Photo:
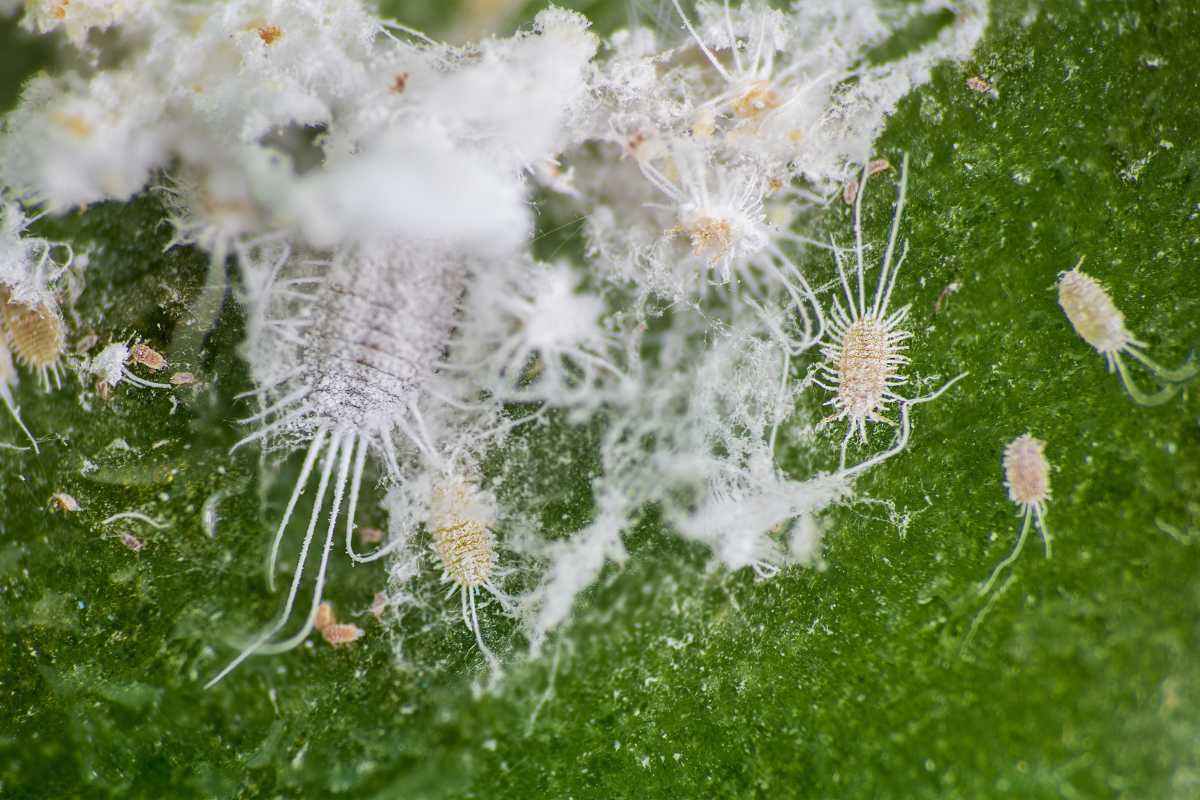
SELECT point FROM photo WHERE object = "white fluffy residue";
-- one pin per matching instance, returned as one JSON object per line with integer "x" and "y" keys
{"x": 375, "y": 188}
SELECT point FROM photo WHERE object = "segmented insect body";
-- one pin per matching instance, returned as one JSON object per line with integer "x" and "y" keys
{"x": 37, "y": 337}
{"x": 1027, "y": 476}
{"x": 343, "y": 368}
{"x": 33, "y": 324}
{"x": 862, "y": 362}
{"x": 461, "y": 517}
{"x": 335, "y": 633}
{"x": 1102, "y": 325}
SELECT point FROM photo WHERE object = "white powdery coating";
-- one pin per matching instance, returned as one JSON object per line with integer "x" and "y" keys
{"x": 240, "y": 69}
{"x": 25, "y": 261}
{"x": 77, "y": 17}
{"x": 575, "y": 565}
{"x": 72, "y": 142}
{"x": 538, "y": 335}
{"x": 109, "y": 363}
{"x": 1026, "y": 472}
{"x": 518, "y": 98}
{"x": 362, "y": 346}
{"x": 412, "y": 186}
{"x": 1092, "y": 313}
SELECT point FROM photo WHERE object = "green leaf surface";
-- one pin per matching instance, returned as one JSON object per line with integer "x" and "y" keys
{"x": 882, "y": 674}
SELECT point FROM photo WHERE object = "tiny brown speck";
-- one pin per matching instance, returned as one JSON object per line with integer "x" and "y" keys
{"x": 400, "y": 83}
{"x": 269, "y": 34}
{"x": 978, "y": 84}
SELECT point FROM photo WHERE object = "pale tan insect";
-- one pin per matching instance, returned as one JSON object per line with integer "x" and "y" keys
{"x": 132, "y": 542}
{"x": 339, "y": 634}
{"x": 334, "y": 632}
{"x": 1027, "y": 476}
{"x": 863, "y": 358}
{"x": 37, "y": 337}
{"x": 1102, "y": 325}
{"x": 850, "y": 192}
{"x": 977, "y": 83}
{"x": 182, "y": 379}
{"x": 143, "y": 354}
{"x": 460, "y": 520}
{"x": 370, "y": 535}
{"x": 61, "y": 501}
{"x": 324, "y": 617}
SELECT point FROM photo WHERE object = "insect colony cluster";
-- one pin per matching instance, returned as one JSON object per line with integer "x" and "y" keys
{"x": 396, "y": 315}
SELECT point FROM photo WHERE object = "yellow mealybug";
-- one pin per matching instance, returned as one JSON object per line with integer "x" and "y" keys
{"x": 460, "y": 520}
{"x": 37, "y": 337}
{"x": 1027, "y": 476}
{"x": 1102, "y": 325}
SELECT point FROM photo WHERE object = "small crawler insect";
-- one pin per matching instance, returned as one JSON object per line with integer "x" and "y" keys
{"x": 182, "y": 379}
{"x": 37, "y": 337}
{"x": 460, "y": 519}
{"x": 132, "y": 542}
{"x": 141, "y": 353}
{"x": 862, "y": 363}
{"x": 109, "y": 367}
{"x": 370, "y": 535}
{"x": 977, "y": 83}
{"x": 1027, "y": 476}
{"x": 61, "y": 501}
{"x": 335, "y": 633}
{"x": 1102, "y": 325}
{"x": 873, "y": 168}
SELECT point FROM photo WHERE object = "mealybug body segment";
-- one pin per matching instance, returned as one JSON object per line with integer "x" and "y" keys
{"x": 1027, "y": 477}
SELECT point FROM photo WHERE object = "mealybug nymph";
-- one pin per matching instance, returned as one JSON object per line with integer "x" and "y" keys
{"x": 1027, "y": 476}
{"x": 1102, "y": 325}
{"x": 460, "y": 521}
{"x": 862, "y": 362}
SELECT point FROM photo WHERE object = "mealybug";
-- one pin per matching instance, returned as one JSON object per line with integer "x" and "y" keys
{"x": 460, "y": 521}
{"x": 109, "y": 366}
{"x": 862, "y": 362}
{"x": 1102, "y": 325}
{"x": 343, "y": 367}
{"x": 1027, "y": 476}
{"x": 37, "y": 337}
